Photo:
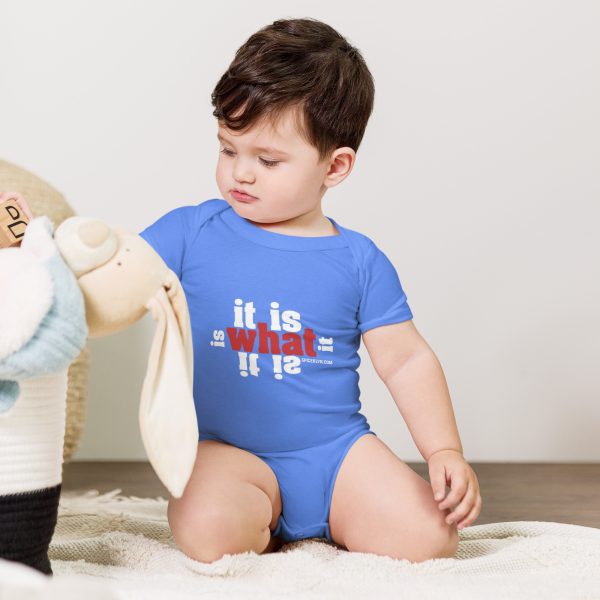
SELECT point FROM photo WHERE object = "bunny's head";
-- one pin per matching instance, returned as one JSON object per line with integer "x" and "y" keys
{"x": 121, "y": 278}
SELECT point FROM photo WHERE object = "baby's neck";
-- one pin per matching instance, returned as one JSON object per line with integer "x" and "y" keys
{"x": 323, "y": 229}
{"x": 307, "y": 225}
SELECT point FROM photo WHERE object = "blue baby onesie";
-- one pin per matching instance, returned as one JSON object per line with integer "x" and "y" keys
{"x": 276, "y": 325}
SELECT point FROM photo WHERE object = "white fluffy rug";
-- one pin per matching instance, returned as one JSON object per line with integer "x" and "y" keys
{"x": 110, "y": 546}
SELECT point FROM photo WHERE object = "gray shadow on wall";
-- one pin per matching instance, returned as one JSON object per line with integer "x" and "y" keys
{"x": 117, "y": 370}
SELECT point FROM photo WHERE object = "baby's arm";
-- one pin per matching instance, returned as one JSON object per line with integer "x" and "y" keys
{"x": 413, "y": 374}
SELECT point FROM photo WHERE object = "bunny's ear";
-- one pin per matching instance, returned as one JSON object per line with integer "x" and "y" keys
{"x": 180, "y": 308}
{"x": 167, "y": 413}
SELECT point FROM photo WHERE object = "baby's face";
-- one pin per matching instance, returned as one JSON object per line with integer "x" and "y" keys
{"x": 276, "y": 166}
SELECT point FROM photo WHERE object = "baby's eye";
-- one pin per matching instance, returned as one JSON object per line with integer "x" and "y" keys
{"x": 269, "y": 163}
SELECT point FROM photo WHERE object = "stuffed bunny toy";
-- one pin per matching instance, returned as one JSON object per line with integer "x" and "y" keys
{"x": 58, "y": 288}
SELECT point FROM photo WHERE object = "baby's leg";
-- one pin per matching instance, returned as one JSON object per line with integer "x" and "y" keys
{"x": 230, "y": 505}
{"x": 381, "y": 506}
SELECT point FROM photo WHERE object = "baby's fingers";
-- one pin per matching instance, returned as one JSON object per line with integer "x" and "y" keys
{"x": 472, "y": 516}
{"x": 437, "y": 476}
{"x": 458, "y": 488}
{"x": 466, "y": 504}
{"x": 463, "y": 507}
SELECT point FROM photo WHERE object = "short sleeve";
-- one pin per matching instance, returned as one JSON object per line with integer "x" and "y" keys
{"x": 167, "y": 236}
{"x": 383, "y": 300}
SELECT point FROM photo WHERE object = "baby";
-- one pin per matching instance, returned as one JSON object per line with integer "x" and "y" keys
{"x": 279, "y": 296}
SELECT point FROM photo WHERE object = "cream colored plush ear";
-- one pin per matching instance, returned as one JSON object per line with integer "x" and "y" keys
{"x": 167, "y": 415}
{"x": 179, "y": 304}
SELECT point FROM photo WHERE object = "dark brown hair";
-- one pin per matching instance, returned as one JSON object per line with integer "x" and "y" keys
{"x": 303, "y": 64}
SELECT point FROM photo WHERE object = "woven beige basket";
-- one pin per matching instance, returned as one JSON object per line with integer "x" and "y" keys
{"x": 43, "y": 199}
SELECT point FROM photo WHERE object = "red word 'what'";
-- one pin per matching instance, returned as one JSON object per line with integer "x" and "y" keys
{"x": 298, "y": 345}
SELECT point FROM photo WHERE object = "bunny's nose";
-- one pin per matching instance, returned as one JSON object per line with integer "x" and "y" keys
{"x": 85, "y": 243}
{"x": 94, "y": 233}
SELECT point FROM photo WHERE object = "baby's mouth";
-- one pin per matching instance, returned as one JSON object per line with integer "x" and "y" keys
{"x": 242, "y": 196}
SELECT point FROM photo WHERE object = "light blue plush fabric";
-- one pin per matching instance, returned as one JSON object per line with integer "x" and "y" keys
{"x": 60, "y": 337}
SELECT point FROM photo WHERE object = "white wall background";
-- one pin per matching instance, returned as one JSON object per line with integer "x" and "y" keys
{"x": 478, "y": 176}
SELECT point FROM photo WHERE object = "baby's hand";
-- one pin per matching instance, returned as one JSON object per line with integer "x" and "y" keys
{"x": 450, "y": 466}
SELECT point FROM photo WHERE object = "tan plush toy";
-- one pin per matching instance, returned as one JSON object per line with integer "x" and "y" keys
{"x": 122, "y": 277}
{"x": 86, "y": 279}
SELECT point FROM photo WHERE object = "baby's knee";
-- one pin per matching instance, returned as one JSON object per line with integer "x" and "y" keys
{"x": 433, "y": 538}
{"x": 445, "y": 542}
{"x": 432, "y": 541}
{"x": 440, "y": 539}
{"x": 209, "y": 531}
{"x": 198, "y": 532}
